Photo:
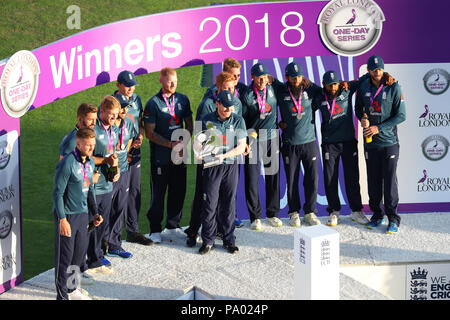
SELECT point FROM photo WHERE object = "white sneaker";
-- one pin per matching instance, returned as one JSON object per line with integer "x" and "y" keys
{"x": 275, "y": 222}
{"x": 86, "y": 279}
{"x": 79, "y": 294}
{"x": 294, "y": 220}
{"x": 359, "y": 217}
{"x": 101, "y": 269}
{"x": 311, "y": 219}
{"x": 333, "y": 219}
{"x": 156, "y": 237}
{"x": 256, "y": 225}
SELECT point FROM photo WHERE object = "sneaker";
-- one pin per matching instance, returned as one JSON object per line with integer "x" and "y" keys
{"x": 101, "y": 269}
{"x": 333, "y": 219}
{"x": 204, "y": 249}
{"x": 393, "y": 228}
{"x": 191, "y": 240}
{"x": 138, "y": 238}
{"x": 106, "y": 262}
{"x": 359, "y": 217}
{"x": 256, "y": 225}
{"x": 375, "y": 223}
{"x": 156, "y": 237}
{"x": 311, "y": 219}
{"x": 119, "y": 253}
{"x": 86, "y": 279}
{"x": 174, "y": 233}
{"x": 238, "y": 223}
{"x": 77, "y": 294}
{"x": 294, "y": 219}
{"x": 275, "y": 222}
{"x": 231, "y": 248}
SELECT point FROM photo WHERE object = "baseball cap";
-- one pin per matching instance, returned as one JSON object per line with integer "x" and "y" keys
{"x": 226, "y": 98}
{"x": 330, "y": 77}
{"x": 293, "y": 70}
{"x": 375, "y": 62}
{"x": 259, "y": 70}
{"x": 127, "y": 78}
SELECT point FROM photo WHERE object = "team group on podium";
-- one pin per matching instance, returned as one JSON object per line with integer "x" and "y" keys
{"x": 98, "y": 178}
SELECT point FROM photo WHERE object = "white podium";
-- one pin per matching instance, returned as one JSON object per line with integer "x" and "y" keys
{"x": 316, "y": 263}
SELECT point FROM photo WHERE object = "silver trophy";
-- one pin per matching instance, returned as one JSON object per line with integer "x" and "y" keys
{"x": 207, "y": 144}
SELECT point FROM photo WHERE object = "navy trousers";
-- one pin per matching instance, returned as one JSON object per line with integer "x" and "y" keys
{"x": 134, "y": 194}
{"x": 272, "y": 181}
{"x": 196, "y": 209}
{"x": 381, "y": 163}
{"x": 331, "y": 155}
{"x": 307, "y": 154}
{"x": 170, "y": 178}
{"x": 70, "y": 252}
{"x": 118, "y": 210}
{"x": 95, "y": 252}
{"x": 219, "y": 192}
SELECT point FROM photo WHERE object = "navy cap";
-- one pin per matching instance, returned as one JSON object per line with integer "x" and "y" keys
{"x": 330, "y": 77}
{"x": 259, "y": 70}
{"x": 375, "y": 62}
{"x": 293, "y": 70}
{"x": 226, "y": 98}
{"x": 127, "y": 78}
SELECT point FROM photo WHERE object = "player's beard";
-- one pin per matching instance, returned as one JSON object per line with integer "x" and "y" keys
{"x": 295, "y": 89}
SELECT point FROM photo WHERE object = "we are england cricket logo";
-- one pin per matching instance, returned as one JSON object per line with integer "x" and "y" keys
{"x": 418, "y": 284}
{"x": 350, "y": 27}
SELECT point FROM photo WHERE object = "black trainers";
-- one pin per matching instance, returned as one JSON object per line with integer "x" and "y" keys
{"x": 204, "y": 249}
{"x": 191, "y": 240}
{"x": 139, "y": 238}
{"x": 231, "y": 248}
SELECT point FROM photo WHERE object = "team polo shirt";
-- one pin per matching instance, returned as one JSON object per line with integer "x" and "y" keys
{"x": 157, "y": 112}
{"x": 298, "y": 131}
{"x": 71, "y": 190}
{"x": 134, "y": 107}
{"x": 126, "y": 132}
{"x": 103, "y": 150}
{"x": 226, "y": 133}
{"x": 208, "y": 104}
{"x": 69, "y": 142}
{"x": 252, "y": 113}
{"x": 387, "y": 110}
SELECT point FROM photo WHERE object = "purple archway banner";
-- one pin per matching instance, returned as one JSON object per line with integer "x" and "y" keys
{"x": 320, "y": 35}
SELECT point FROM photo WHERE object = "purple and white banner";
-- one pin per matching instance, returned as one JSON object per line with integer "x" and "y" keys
{"x": 320, "y": 35}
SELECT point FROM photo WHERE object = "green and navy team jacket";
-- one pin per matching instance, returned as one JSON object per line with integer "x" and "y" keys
{"x": 157, "y": 112}
{"x": 68, "y": 143}
{"x": 254, "y": 117}
{"x": 385, "y": 108}
{"x": 73, "y": 190}
{"x": 105, "y": 145}
{"x": 227, "y": 132}
{"x": 126, "y": 132}
{"x": 134, "y": 104}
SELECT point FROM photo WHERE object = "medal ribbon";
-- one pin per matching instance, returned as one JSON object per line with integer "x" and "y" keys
{"x": 330, "y": 109}
{"x": 372, "y": 98}
{"x": 110, "y": 138}
{"x": 170, "y": 107}
{"x": 261, "y": 101}
{"x": 86, "y": 165}
{"x": 122, "y": 134}
{"x": 298, "y": 104}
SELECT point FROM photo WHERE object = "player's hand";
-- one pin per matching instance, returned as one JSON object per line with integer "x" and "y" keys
{"x": 95, "y": 177}
{"x": 136, "y": 144}
{"x": 344, "y": 85}
{"x": 282, "y": 125}
{"x": 117, "y": 176}
{"x": 64, "y": 228}
{"x": 370, "y": 131}
{"x": 112, "y": 160}
{"x": 365, "y": 123}
{"x": 247, "y": 149}
{"x": 98, "y": 219}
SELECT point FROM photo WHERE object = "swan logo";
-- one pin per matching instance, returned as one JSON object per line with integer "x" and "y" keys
{"x": 19, "y": 83}
{"x": 6, "y": 222}
{"x": 436, "y": 81}
{"x": 5, "y": 153}
{"x": 435, "y": 147}
{"x": 350, "y": 28}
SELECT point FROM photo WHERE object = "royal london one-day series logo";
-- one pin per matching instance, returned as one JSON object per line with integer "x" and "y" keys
{"x": 350, "y": 27}
{"x": 436, "y": 81}
{"x": 19, "y": 83}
